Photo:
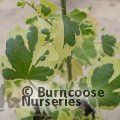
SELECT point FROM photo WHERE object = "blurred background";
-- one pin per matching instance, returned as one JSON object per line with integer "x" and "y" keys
{"x": 106, "y": 12}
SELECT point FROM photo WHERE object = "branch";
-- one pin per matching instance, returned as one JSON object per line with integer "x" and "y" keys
{"x": 32, "y": 6}
{"x": 33, "y": 85}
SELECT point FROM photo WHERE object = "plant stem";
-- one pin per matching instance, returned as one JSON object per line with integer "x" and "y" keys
{"x": 69, "y": 67}
{"x": 68, "y": 61}
{"x": 63, "y": 6}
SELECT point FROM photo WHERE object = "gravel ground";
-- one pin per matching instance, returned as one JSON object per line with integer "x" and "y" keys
{"x": 107, "y": 13}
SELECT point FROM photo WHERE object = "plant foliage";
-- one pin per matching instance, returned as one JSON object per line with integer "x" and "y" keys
{"x": 56, "y": 44}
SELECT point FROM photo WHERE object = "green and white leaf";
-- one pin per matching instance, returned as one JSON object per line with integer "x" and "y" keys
{"x": 20, "y": 58}
{"x": 63, "y": 114}
{"x": 46, "y": 8}
{"x": 85, "y": 53}
{"x": 25, "y": 113}
{"x": 71, "y": 29}
{"x": 108, "y": 43}
{"x": 100, "y": 81}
